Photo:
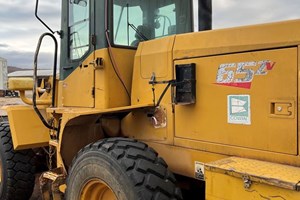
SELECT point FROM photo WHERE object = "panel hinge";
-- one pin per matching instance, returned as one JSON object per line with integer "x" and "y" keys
{"x": 93, "y": 39}
{"x": 93, "y": 92}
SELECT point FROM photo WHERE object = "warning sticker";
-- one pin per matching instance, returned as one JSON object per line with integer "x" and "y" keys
{"x": 199, "y": 170}
{"x": 239, "y": 109}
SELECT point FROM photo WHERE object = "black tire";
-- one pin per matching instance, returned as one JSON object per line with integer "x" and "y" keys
{"x": 131, "y": 169}
{"x": 18, "y": 168}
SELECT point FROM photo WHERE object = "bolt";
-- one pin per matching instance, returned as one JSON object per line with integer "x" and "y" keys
{"x": 279, "y": 108}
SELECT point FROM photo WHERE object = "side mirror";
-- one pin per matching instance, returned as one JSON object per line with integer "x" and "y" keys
{"x": 82, "y": 3}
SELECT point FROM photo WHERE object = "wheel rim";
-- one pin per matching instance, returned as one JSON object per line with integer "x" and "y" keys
{"x": 97, "y": 190}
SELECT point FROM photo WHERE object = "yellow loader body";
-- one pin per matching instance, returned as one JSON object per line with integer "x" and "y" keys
{"x": 241, "y": 132}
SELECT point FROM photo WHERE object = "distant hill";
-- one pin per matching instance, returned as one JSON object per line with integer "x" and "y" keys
{"x": 11, "y": 69}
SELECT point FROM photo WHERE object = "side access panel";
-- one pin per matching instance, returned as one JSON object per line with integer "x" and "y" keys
{"x": 78, "y": 87}
{"x": 244, "y": 100}
{"x": 27, "y": 130}
{"x": 238, "y": 178}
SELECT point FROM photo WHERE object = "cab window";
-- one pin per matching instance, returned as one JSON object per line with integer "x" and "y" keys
{"x": 135, "y": 21}
{"x": 79, "y": 28}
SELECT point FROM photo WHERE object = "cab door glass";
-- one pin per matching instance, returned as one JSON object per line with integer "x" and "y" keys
{"x": 79, "y": 28}
{"x": 126, "y": 19}
{"x": 165, "y": 21}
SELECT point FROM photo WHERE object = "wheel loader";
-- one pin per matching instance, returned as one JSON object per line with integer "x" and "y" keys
{"x": 149, "y": 103}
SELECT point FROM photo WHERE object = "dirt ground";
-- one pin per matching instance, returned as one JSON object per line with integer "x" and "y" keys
{"x": 10, "y": 101}
{"x": 36, "y": 195}
{"x": 6, "y": 101}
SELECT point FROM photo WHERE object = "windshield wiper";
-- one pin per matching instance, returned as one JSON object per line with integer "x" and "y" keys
{"x": 133, "y": 27}
{"x": 138, "y": 32}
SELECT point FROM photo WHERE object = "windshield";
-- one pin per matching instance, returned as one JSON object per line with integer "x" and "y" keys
{"x": 135, "y": 21}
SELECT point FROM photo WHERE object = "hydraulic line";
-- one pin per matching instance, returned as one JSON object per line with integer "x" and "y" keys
{"x": 111, "y": 56}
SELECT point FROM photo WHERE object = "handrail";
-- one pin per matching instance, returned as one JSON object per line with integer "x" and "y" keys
{"x": 35, "y": 77}
{"x": 30, "y": 102}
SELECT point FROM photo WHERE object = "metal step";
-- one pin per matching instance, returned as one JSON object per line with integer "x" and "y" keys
{"x": 50, "y": 183}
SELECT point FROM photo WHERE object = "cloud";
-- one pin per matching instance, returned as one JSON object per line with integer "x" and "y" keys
{"x": 3, "y": 45}
{"x": 24, "y": 59}
{"x": 230, "y": 13}
{"x": 21, "y": 13}
{"x": 18, "y": 22}
{"x": 20, "y": 31}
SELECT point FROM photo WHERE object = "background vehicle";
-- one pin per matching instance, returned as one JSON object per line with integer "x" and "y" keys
{"x": 218, "y": 107}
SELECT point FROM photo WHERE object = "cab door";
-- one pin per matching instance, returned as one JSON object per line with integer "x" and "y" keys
{"x": 77, "y": 69}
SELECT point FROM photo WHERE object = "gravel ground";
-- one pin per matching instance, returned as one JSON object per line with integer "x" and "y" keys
{"x": 36, "y": 193}
{"x": 6, "y": 101}
{"x": 10, "y": 101}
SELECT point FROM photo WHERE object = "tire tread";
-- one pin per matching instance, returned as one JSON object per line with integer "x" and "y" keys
{"x": 148, "y": 172}
{"x": 20, "y": 167}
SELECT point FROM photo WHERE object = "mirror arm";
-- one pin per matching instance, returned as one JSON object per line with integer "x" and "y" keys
{"x": 36, "y": 15}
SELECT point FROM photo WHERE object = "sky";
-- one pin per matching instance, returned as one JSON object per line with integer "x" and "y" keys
{"x": 20, "y": 30}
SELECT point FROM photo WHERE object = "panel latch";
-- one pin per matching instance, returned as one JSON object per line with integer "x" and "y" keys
{"x": 247, "y": 181}
{"x": 282, "y": 109}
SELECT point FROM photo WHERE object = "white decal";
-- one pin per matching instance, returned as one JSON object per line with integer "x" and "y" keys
{"x": 199, "y": 171}
{"x": 238, "y": 108}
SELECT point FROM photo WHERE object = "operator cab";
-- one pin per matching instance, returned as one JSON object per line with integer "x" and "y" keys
{"x": 97, "y": 24}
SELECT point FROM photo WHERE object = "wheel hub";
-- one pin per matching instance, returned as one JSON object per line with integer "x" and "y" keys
{"x": 97, "y": 190}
